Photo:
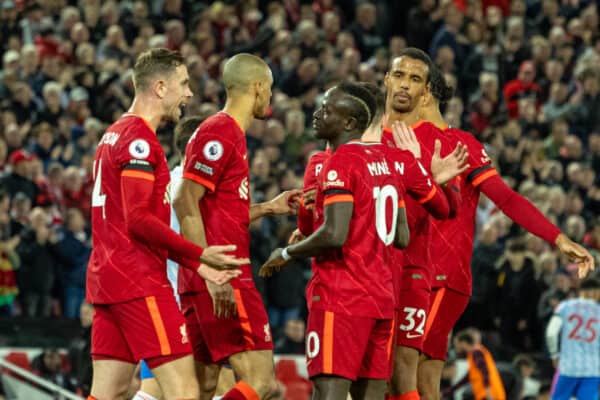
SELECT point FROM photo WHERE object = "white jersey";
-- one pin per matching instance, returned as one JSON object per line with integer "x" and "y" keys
{"x": 172, "y": 267}
{"x": 579, "y": 338}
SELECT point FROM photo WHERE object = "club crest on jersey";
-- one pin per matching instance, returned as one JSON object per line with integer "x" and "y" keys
{"x": 140, "y": 149}
{"x": 213, "y": 150}
{"x": 332, "y": 179}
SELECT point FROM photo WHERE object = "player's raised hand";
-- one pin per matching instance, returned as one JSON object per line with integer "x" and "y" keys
{"x": 286, "y": 202}
{"x": 215, "y": 276}
{"x": 296, "y": 236}
{"x": 217, "y": 257}
{"x": 273, "y": 264}
{"x": 577, "y": 254}
{"x": 223, "y": 300}
{"x": 454, "y": 164}
{"x": 405, "y": 138}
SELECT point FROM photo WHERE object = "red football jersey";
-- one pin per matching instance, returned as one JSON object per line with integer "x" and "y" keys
{"x": 452, "y": 240}
{"x": 356, "y": 279}
{"x": 121, "y": 267}
{"x": 310, "y": 219}
{"x": 216, "y": 157}
{"x": 417, "y": 255}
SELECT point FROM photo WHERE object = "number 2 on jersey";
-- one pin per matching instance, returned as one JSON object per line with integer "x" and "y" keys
{"x": 381, "y": 195}
{"x": 98, "y": 199}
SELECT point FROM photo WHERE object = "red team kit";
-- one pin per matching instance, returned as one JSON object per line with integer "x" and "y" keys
{"x": 363, "y": 297}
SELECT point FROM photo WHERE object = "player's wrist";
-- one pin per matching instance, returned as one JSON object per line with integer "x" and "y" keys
{"x": 285, "y": 254}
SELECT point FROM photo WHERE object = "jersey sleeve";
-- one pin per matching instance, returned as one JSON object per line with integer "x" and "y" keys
{"x": 138, "y": 154}
{"x": 338, "y": 181}
{"x": 207, "y": 155}
{"x": 480, "y": 165}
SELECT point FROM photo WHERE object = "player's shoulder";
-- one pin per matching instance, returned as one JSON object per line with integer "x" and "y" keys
{"x": 466, "y": 137}
{"x": 130, "y": 126}
{"x": 222, "y": 124}
{"x": 319, "y": 157}
{"x": 425, "y": 127}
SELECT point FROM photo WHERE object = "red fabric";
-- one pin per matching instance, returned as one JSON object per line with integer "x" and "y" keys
{"x": 241, "y": 391}
{"x": 131, "y": 216}
{"x": 216, "y": 158}
{"x": 515, "y": 89}
{"x": 412, "y": 395}
{"x": 519, "y": 209}
{"x": 356, "y": 279}
{"x": 307, "y": 217}
{"x": 452, "y": 240}
{"x": 418, "y": 253}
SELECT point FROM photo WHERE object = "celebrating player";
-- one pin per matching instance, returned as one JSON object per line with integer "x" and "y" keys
{"x": 228, "y": 323}
{"x": 452, "y": 242}
{"x": 136, "y": 316}
{"x": 406, "y": 83}
{"x": 350, "y": 296}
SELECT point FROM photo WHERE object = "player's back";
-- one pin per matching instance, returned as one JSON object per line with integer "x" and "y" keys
{"x": 356, "y": 279}
{"x": 418, "y": 255}
{"x": 121, "y": 267}
{"x": 580, "y": 338}
{"x": 216, "y": 158}
{"x": 452, "y": 239}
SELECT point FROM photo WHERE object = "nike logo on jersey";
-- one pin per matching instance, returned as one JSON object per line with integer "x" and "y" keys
{"x": 413, "y": 335}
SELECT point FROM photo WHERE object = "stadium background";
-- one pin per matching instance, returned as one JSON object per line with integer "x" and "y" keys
{"x": 526, "y": 73}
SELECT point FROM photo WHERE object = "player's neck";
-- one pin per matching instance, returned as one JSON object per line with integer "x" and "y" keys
{"x": 373, "y": 133}
{"x": 408, "y": 118}
{"x": 240, "y": 110}
{"x": 433, "y": 115}
{"x": 147, "y": 109}
{"x": 343, "y": 139}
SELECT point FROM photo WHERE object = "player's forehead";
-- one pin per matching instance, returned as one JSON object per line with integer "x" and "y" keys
{"x": 332, "y": 97}
{"x": 181, "y": 73}
{"x": 410, "y": 65}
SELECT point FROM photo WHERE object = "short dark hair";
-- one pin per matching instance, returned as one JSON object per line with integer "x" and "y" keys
{"x": 590, "y": 284}
{"x": 418, "y": 54}
{"x": 379, "y": 97}
{"x": 184, "y": 130}
{"x": 438, "y": 86}
{"x": 465, "y": 336}
{"x": 152, "y": 63}
{"x": 365, "y": 105}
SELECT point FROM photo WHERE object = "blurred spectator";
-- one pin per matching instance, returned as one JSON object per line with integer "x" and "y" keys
{"x": 49, "y": 365}
{"x": 557, "y": 292}
{"x": 39, "y": 264}
{"x": 526, "y": 367}
{"x": 20, "y": 179}
{"x": 522, "y": 88}
{"x": 293, "y": 340}
{"x": 74, "y": 251}
{"x": 515, "y": 296}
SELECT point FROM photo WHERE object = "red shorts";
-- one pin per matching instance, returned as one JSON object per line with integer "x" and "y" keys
{"x": 142, "y": 328}
{"x": 349, "y": 347}
{"x": 214, "y": 339}
{"x": 413, "y": 306}
{"x": 446, "y": 308}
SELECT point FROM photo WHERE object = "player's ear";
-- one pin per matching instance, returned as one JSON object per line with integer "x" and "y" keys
{"x": 159, "y": 87}
{"x": 386, "y": 79}
{"x": 350, "y": 124}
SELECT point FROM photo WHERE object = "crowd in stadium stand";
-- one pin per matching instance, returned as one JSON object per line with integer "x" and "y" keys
{"x": 527, "y": 80}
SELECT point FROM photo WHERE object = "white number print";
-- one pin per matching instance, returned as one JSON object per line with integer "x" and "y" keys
{"x": 381, "y": 195}
{"x": 98, "y": 199}
{"x": 313, "y": 346}
{"x": 411, "y": 313}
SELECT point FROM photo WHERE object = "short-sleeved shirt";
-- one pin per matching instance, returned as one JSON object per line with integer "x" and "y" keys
{"x": 216, "y": 157}
{"x": 356, "y": 279}
{"x": 452, "y": 239}
{"x": 121, "y": 267}
{"x": 579, "y": 338}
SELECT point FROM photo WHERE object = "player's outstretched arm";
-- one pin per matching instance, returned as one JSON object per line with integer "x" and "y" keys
{"x": 332, "y": 233}
{"x": 521, "y": 211}
{"x": 285, "y": 203}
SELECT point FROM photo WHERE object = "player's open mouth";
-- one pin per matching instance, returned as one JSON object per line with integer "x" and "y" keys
{"x": 402, "y": 96}
{"x": 182, "y": 108}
